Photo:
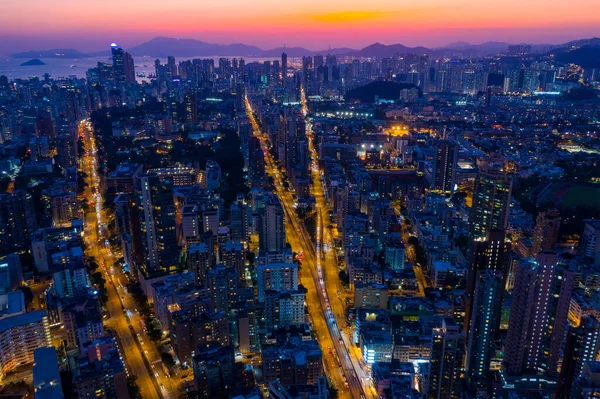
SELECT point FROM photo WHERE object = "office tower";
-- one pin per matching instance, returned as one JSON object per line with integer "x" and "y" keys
{"x": 589, "y": 244}
{"x": 118, "y": 57}
{"x": 491, "y": 201}
{"x": 284, "y": 66}
{"x": 545, "y": 236}
{"x": 46, "y": 376}
{"x": 191, "y": 109}
{"x": 213, "y": 367}
{"x": 581, "y": 346}
{"x": 538, "y": 315}
{"x": 17, "y": 221}
{"x": 283, "y": 309}
{"x": 271, "y": 232}
{"x": 276, "y": 276}
{"x": 490, "y": 254}
{"x": 158, "y": 223}
{"x": 484, "y": 321}
{"x": 446, "y": 358}
{"x": 446, "y": 156}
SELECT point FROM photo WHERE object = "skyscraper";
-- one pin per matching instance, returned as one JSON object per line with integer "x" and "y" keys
{"x": 589, "y": 244}
{"x": 538, "y": 315}
{"x": 118, "y": 56}
{"x": 283, "y": 66}
{"x": 191, "y": 109}
{"x": 484, "y": 322}
{"x": 581, "y": 346}
{"x": 158, "y": 223}
{"x": 17, "y": 220}
{"x": 446, "y": 156}
{"x": 545, "y": 235}
{"x": 239, "y": 220}
{"x": 489, "y": 254}
{"x": 129, "y": 67}
{"x": 171, "y": 66}
{"x": 446, "y": 358}
{"x": 491, "y": 201}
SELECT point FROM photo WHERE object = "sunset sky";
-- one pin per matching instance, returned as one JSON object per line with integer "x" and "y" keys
{"x": 89, "y": 25}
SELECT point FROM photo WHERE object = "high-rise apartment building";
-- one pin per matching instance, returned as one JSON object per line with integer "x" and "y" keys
{"x": 158, "y": 223}
{"x": 446, "y": 360}
{"x": 581, "y": 346}
{"x": 271, "y": 233}
{"x": 20, "y": 335}
{"x": 545, "y": 236}
{"x": 484, "y": 322}
{"x": 283, "y": 309}
{"x": 589, "y": 244}
{"x": 491, "y": 201}
{"x": 538, "y": 315}
{"x": 446, "y": 157}
{"x": 489, "y": 254}
{"x": 17, "y": 221}
{"x": 276, "y": 276}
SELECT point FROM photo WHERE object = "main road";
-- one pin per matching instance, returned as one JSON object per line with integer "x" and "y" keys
{"x": 344, "y": 377}
{"x": 328, "y": 262}
{"x": 120, "y": 307}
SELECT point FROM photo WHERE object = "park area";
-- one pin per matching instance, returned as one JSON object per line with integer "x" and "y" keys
{"x": 572, "y": 194}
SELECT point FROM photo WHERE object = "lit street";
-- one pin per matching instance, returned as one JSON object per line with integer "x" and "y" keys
{"x": 319, "y": 306}
{"x": 119, "y": 305}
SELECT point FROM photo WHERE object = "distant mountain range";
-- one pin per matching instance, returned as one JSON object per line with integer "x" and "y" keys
{"x": 165, "y": 46}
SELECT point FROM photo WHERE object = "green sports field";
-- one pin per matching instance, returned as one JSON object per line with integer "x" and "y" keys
{"x": 582, "y": 195}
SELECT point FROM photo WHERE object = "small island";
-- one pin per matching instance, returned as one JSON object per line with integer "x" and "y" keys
{"x": 33, "y": 62}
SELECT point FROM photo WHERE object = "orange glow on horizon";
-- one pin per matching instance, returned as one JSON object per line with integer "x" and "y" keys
{"x": 345, "y": 22}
